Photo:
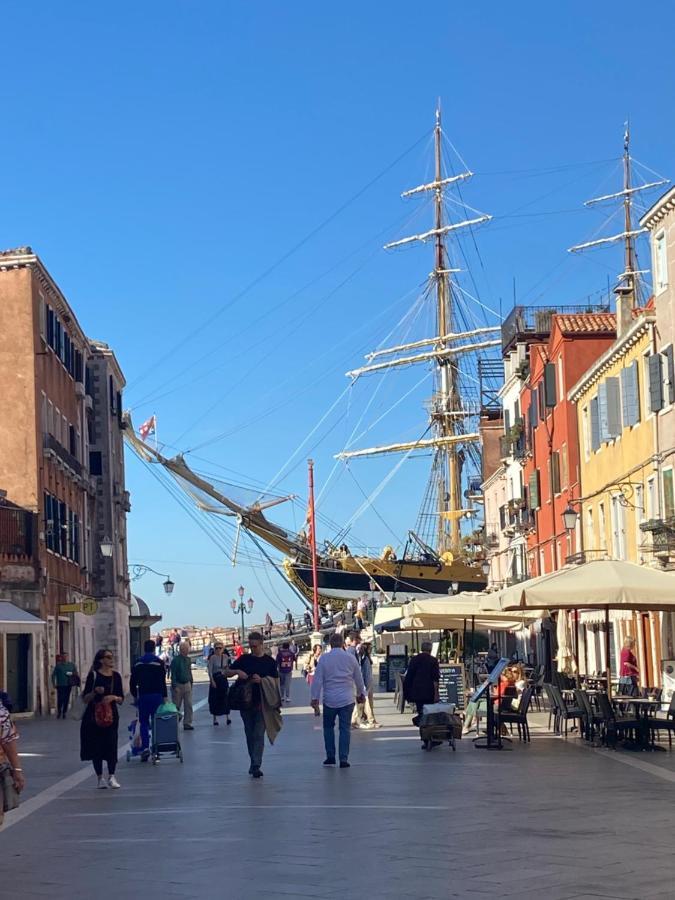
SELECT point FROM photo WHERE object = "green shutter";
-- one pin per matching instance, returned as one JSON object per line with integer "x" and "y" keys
{"x": 534, "y": 490}
{"x": 549, "y": 385}
{"x": 613, "y": 407}
{"x": 655, "y": 382}
{"x": 555, "y": 472}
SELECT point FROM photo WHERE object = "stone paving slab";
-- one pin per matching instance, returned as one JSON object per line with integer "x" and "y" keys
{"x": 551, "y": 819}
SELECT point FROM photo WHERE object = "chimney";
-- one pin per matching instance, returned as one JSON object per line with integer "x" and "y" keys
{"x": 624, "y": 308}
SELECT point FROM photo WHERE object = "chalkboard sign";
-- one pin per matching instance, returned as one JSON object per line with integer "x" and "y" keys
{"x": 396, "y": 665}
{"x": 384, "y": 675}
{"x": 451, "y": 685}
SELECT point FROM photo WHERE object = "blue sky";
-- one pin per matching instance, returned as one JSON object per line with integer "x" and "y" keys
{"x": 162, "y": 157}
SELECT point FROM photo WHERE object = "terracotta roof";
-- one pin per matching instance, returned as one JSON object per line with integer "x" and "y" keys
{"x": 587, "y": 323}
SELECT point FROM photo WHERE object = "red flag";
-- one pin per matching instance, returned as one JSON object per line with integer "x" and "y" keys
{"x": 148, "y": 428}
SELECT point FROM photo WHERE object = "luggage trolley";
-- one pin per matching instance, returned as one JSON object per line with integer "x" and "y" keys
{"x": 438, "y": 723}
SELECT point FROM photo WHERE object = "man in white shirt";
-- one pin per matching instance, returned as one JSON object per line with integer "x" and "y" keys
{"x": 338, "y": 677}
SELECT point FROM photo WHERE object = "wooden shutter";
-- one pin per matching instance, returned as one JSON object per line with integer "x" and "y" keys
{"x": 655, "y": 382}
{"x": 595, "y": 424}
{"x": 602, "y": 412}
{"x": 613, "y": 407}
{"x": 549, "y": 385}
{"x": 631, "y": 394}
{"x": 670, "y": 372}
{"x": 507, "y": 421}
{"x": 625, "y": 391}
{"x": 533, "y": 483}
{"x": 555, "y": 472}
{"x": 534, "y": 407}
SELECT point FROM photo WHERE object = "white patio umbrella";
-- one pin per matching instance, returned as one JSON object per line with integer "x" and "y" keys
{"x": 565, "y": 656}
{"x": 599, "y": 584}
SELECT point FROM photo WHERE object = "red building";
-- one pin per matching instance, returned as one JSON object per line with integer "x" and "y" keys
{"x": 549, "y": 423}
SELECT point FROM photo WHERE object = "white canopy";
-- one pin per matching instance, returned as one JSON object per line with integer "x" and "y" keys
{"x": 599, "y": 584}
{"x": 453, "y": 612}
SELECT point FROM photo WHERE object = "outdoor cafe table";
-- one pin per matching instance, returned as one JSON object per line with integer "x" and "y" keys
{"x": 642, "y": 706}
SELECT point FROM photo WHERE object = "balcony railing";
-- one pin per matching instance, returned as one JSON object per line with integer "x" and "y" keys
{"x": 51, "y": 445}
{"x": 17, "y": 533}
{"x": 525, "y": 323}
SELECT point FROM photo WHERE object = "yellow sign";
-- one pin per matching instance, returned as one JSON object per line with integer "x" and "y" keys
{"x": 88, "y": 606}
{"x": 70, "y": 608}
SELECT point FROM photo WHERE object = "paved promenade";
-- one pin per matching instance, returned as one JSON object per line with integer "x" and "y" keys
{"x": 552, "y": 819}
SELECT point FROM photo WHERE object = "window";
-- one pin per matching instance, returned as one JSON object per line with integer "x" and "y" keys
{"x": 590, "y": 535}
{"x": 618, "y": 527}
{"x": 652, "y": 499}
{"x": 534, "y": 490}
{"x": 639, "y": 512}
{"x": 669, "y": 374}
{"x": 43, "y": 317}
{"x": 95, "y": 462}
{"x": 564, "y": 474}
{"x": 660, "y": 262}
{"x": 668, "y": 498}
{"x": 561, "y": 379}
{"x": 62, "y": 528}
{"x": 586, "y": 429}
{"x": 602, "y": 527}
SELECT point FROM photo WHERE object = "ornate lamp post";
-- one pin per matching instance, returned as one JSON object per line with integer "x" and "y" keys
{"x": 242, "y": 608}
{"x": 139, "y": 571}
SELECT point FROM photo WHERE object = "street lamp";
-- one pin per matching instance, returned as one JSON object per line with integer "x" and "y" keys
{"x": 242, "y": 608}
{"x": 139, "y": 571}
{"x": 570, "y": 517}
{"x": 485, "y": 566}
{"x": 106, "y": 547}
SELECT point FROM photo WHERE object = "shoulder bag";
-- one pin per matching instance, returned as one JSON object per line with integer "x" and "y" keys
{"x": 240, "y": 695}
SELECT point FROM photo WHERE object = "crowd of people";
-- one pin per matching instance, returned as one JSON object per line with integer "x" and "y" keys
{"x": 339, "y": 674}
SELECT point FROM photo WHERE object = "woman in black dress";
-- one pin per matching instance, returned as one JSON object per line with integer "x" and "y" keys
{"x": 103, "y": 692}
{"x": 219, "y": 662}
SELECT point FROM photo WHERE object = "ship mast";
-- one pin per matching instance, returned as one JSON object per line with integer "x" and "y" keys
{"x": 448, "y": 471}
{"x": 447, "y": 410}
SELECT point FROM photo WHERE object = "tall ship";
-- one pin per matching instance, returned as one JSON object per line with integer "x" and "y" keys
{"x": 440, "y": 556}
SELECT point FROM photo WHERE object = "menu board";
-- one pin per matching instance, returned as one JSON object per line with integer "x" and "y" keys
{"x": 451, "y": 687}
{"x": 384, "y": 674}
{"x": 396, "y": 666}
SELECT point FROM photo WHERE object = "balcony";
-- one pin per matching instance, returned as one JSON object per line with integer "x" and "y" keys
{"x": 17, "y": 534}
{"x": 515, "y": 518}
{"x": 51, "y": 447}
{"x": 527, "y": 324}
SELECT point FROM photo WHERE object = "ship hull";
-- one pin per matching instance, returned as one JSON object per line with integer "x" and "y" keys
{"x": 397, "y": 580}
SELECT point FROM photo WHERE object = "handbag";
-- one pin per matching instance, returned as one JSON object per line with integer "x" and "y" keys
{"x": 240, "y": 695}
{"x": 10, "y": 795}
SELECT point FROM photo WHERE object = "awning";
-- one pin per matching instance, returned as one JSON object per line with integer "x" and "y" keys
{"x": 14, "y": 620}
{"x": 444, "y": 612}
{"x": 388, "y": 618}
{"x": 599, "y": 584}
{"x": 140, "y": 615}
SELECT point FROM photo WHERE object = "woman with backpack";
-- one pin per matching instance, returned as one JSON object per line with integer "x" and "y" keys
{"x": 103, "y": 693}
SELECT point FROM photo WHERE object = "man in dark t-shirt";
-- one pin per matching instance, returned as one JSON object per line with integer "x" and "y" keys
{"x": 255, "y": 665}
{"x": 422, "y": 677}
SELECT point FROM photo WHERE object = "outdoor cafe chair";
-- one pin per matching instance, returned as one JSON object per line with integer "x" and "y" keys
{"x": 519, "y": 716}
{"x": 592, "y": 717}
{"x": 616, "y": 726}
{"x": 659, "y": 723}
{"x": 552, "y": 708}
{"x": 565, "y": 712}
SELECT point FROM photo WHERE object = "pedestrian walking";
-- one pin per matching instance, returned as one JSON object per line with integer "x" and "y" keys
{"x": 422, "y": 677}
{"x": 218, "y": 664}
{"x": 337, "y": 678}
{"x": 181, "y": 684}
{"x": 329, "y": 611}
{"x": 263, "y": 715}
{"x": 268, "y": 625}
{"x": 103, "y": 693}
{"x": 365, "y": 710}
{"x": 64, "y": 678}
{"x": 288, "y": 618}
{"x": 147, "y": 686}
{"x": 295, "y": 650}
{"x": 10, "y": 766}
{"x": 285, "y": 667}
{"x": 308, "y": 619}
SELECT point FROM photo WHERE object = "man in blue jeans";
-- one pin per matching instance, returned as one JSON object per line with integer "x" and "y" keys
{"x": 148, "y": 687}
{"x": 338, "y": 677}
